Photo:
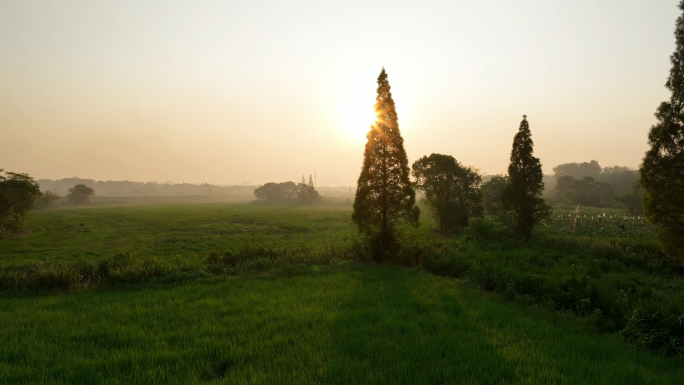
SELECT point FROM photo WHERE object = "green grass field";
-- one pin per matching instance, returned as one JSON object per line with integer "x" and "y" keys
{"x": 376, "y": 325}
{"x": 566, "y": 304}
{"x": 94, "y": 233}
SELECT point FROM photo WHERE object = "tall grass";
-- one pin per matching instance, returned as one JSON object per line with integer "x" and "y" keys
{"x": 375, "y": 325}
{"x": 627, "y": 287}
{"x": 128, "y": 268}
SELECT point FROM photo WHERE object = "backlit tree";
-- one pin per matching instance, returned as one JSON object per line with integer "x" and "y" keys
{"x": 384, "y": 195}
{"x": 662, "y": 170}
{"x": 522, "y": 196}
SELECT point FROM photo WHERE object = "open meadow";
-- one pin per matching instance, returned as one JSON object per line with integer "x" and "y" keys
{"x": 243, "y": 293}
{"x": 374, "y": 325}
{"x": 168, "y": 230}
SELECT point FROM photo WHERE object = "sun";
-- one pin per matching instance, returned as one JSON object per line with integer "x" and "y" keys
{"x": 356, "y": 111}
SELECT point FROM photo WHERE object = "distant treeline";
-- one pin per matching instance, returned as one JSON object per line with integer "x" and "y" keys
{"x": 130, "y": 189}
{"x": 287, "y": 192}
{"x": 589, "y": 184}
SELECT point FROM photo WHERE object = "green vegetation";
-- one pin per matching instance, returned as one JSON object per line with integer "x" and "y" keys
{"x": 19, "y": 194}
{"x": 374, "y": 325}
{"x": 451, "y": 190}
{"x": 287, "y": 192}
{"x": 585, "y": 191}
{"x": 97, "y": 233}
{"x": 522, "y": 195}
{"x": 601, "y": 272}
{"x": 662, "y": 171}
{"x": 80, "y": 194}
{"x": 491, "y": 194}
{"x": 617, "y": 179}
{"x": 384, "y": 193}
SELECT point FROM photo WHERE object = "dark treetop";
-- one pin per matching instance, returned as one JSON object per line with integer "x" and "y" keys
{"x": 522, "y": 195}
{"x": 662, "y": 171}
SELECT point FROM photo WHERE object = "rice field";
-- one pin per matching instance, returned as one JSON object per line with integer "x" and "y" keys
{"x": 376, "y": 325}
{"x": 168, "y": 230}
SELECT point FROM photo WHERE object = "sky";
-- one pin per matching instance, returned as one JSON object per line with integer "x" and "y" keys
{"x": 265, "y": 91}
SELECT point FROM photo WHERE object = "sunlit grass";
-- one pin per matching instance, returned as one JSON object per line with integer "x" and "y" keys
{"x": 173, "y": 229}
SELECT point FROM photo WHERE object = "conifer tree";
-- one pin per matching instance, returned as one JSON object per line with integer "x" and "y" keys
{"x": 311, "y": 182}
{"x": 522, "y": 196}
{"x": 662, "y": 170}
{"x": 303, "y": 180}
{"x": 384, "y": 195}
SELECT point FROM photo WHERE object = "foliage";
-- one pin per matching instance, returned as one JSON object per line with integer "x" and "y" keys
{"x": 166, "y": 230}
{"x": 128, "y": 268}
{"x": 19, "y": 194}
{"x": 384, "y": 194}
{"x": 633, "y": 199}
{"x": 48, "y": 199}
{"x": 491, "y": 194}
{"x": 619, "y": 281}
{"x": 585, "y": 192}
{"x": 614, "y": 223}
{"x": 662, "y": 170}
{"x": 609, "y": 272}
{"x": 522, "y": 196}
{"x": 619, "y": 178}
{"x": 451, "y": 190}
{"x": 578, "y": 170}
{"x": 371, "y": 325}
{"x": 287, "y": 192}
{"x": 80, "y": 194}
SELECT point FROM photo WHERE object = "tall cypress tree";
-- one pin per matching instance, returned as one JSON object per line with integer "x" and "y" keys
{"x": 384, "y": 195}
{"x": 662, "y": 171}
{"x": 522, "y": 196}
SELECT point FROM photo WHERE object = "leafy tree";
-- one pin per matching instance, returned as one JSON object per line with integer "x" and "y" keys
{"x": 491, "y": 194}
{"x": 48, "y": 199}
{"x": 307, "y": 194}
{"x": 277, "y": 192}
{"x": 619, "y": 178}
{"x": 19, "y": 193}
{"x": 585, "y": 191}
{"x": 80, "y": 194}
{"x": 662, "y": 170}
{"x": 451, "y": 190}
{"x": 287, "y": 192}
{"x": 578, "y": 170}
{"x": 633, "y": 199}
{"x": 384, "y": 195}
{"x": 522, "y": 195}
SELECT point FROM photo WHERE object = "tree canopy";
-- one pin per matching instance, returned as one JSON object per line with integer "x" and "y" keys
{"x": 662, "y": 170}
{"x": 491, "y": 194}
{"x": 451, "y": 190}
{"x": 384, "y": 194}
{"x": 19, "y": 194}
{"x": 287, "y": 192}
{"x": 522, "y": 195}
{"x": 585, "y": 192}
{"x": 80, "y": 194}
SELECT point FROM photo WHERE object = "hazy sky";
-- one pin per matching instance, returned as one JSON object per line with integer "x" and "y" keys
{"x": 231, "y": 91}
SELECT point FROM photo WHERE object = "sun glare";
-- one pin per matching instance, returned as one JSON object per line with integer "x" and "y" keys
{"x": 356, "y": 111}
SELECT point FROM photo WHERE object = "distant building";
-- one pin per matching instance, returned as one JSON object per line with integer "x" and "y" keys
{"x": 169, "y": 182}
